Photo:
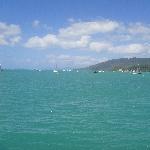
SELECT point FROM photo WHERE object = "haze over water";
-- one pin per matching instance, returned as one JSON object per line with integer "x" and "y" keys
{"x": 74, "y": 111}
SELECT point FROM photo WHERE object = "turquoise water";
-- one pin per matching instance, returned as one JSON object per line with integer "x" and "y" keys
{"x": 74, "y": 111}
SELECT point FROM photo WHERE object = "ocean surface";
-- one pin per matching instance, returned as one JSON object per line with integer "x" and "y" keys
{"x": 74, "y": 111}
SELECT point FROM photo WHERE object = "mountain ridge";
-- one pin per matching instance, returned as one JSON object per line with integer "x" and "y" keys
{"x": 123, "y": 63}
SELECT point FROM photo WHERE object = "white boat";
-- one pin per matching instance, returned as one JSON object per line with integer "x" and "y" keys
{"x": 55, "y": 71}
{"x": 69, "y": 70}
{"x": 101, "y": 71}
{"x": 134, "y": 73}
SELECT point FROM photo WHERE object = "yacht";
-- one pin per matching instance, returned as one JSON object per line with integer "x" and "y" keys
{"x": 55, "y": 71}
{"x": 95, "y": 71}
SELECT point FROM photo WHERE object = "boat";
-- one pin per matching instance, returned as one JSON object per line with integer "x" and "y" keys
{"x": 55, "y": 70}
{"x": 39, "y": 70}
{"x": 134, "y": 72}
{"x": 137, "y": 71}
{"x": 95, "y": 71}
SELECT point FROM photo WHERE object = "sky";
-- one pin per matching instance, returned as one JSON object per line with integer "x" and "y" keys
{"x": 72, "y": 33}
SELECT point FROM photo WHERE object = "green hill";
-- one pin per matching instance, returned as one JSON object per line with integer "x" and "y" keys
{"x": 142, "y": 64}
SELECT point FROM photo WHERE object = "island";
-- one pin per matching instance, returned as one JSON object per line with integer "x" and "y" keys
{"x": 123, "y": 64}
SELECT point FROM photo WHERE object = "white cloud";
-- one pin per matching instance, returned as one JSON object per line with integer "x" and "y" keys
{"x": 9, "y": 33}
{"x": 100, "y": 46}
{"x": 52, "y": 40}
{"x": 47, "y": 27}
{"x": 35, "y": 23}
{"x": 15, "y": 40}
{"x": 99, "y": 36}
{"x": 75, "y": 36}
{"x": 8, "y": 30}
{"x": 88, "y": 28}
{"x": 82, "y": 42}
{"x": 71, "y": 20}
{"x": 43, "y": 42}
{"x": 38, "y": 25}
{"x": 139, "y": 28}
{"x": 3, "y": 41}
{"x": 133, "y": 48}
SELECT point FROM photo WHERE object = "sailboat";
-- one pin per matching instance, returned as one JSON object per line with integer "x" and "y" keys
{"x": 55, "y": 70}
{"x": 137, "y": 71}
{"x": 1, "y": 68}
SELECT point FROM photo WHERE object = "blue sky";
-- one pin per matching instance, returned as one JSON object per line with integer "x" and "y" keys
{"x": 72, "y": 33}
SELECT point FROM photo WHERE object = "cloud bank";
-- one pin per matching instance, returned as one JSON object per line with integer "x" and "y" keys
{"x": 102, "y": 36}
{"x": 9, "y": 34}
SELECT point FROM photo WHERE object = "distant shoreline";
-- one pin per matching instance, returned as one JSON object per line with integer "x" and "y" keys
{"x": 124, "y": 64}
